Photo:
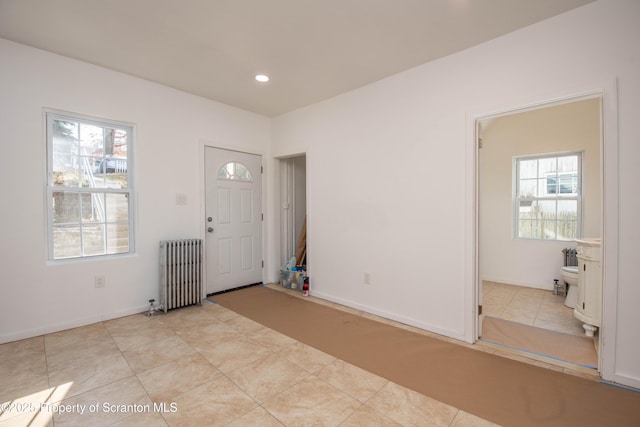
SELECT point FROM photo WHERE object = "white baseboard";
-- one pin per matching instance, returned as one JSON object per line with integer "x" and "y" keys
{"x": 625, "y": 381}
{"x": 544, "y": 286}
{"x": 392, "y": 316}
{"x": 125, "y": 312}
{"x": 62, "y": 326}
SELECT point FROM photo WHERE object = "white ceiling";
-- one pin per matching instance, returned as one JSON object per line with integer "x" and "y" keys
{"x": 311, "y": 49}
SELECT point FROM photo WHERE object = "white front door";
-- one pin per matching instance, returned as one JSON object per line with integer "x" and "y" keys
{"x": 233, "y": 219}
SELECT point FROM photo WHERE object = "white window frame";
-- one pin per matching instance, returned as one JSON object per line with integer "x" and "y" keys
{"x": 49, "y": 116}
{"x": 558, "y": 197}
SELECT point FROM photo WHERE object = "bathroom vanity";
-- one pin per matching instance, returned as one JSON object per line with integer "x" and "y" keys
{"x": 588, "y": 308}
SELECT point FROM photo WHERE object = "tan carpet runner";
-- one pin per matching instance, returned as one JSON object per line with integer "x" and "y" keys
{"x": 501, "y": 390}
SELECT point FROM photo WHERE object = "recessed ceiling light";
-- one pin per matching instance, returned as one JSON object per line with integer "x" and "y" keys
{"x": 262, "y": 78}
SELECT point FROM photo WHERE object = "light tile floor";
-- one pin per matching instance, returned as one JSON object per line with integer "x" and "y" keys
{"x": 533, "y": 307}
{"x": 539, "y": 308}
{"x": 197, "y": 366}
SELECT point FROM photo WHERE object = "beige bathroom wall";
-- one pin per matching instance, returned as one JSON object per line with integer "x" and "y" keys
{"x": 573, "y": 126}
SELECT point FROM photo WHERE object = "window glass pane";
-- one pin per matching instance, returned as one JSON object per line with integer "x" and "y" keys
{"x": 549, "y": 186}
{"x": 65, "y": 207}
{"x": 93, "y": 239}
{"x": 548, "y": 229}
{"x": 64, "y": 137}
{"x": 528, "y": 188}
{"x": 61, "y": 162}
{"x": 65, "y": 172}
{"x": 68, "y": 175}
{"x": 106, "y": 149}
{"x": 526, "y": 210}
{"x": 547, "y": 166}
{"x": 93, "y": 207}
{"x": 240, "y": 169}
{"x": 120, "y": 143}
{"x": 66, "y": 241}
{"x": 117, "y": 238}
{"x": 546, "y": 214}
{"x": 64, "y": 130}
{"x": 117, "y": 207}
{"x": 223, "y": 174}
{"x": 233, "y": 171}
{"x": 547, "y": 208}
{"x": 111, "y": 172}
{"x": 528, "y": 229}
{"x": 568, "y": 164}
{"x": 567, "y": 230}
{"x": 567, "y": 184}
{"x": 568, "y": 210}
{"x": 92, "y": 140}
{"x": 528, "y": 169}
{"x": 88, "y": 175}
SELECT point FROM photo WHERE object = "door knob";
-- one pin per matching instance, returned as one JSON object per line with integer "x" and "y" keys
{"x": 210, "y": 229}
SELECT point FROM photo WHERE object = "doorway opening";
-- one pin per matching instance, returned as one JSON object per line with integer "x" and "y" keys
{"x": 521, "y": 234}
{"x": 293, "y": 209}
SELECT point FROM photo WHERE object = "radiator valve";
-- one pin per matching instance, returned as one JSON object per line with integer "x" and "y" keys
{"x": 152, "y": 309}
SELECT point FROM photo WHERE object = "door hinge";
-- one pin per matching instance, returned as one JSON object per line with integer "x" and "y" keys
{"x": 479, "y": 310}
{"x": 262, "y": 217}
{"x": 479, "y": 143}
{"x": 261, "y": 169}
{"x": 262, "y": 263}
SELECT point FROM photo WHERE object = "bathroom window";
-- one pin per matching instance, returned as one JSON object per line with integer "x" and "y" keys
{"x": 548, "y": 196}
{"x": 89, "y": 187}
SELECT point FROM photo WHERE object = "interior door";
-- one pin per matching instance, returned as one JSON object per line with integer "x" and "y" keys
{"x": 233, "y": 219}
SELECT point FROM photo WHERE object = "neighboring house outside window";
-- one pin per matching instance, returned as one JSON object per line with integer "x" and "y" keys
{"x": 89, "y": 187}
{"x": 548, "y": 196}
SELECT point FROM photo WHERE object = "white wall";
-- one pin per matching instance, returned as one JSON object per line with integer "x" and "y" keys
{"x": 573, "y": 126}
{"x": 387, "y": 172}
{"x": 39, "y": 297}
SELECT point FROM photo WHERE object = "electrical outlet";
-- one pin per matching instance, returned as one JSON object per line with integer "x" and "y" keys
{"x": 100, "y": 281}
{"x": 367, "y": 278}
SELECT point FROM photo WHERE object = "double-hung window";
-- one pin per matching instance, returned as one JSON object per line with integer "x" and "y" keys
{"x": 89, "y": 187}
{"x": 548, "y": 196}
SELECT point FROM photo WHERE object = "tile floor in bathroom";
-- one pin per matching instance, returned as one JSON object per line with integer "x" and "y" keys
{"x": 533, "y": 307}
{"x": 208, "y": 366}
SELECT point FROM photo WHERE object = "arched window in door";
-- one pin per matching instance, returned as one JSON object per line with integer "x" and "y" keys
{"x": 235, "y": 171}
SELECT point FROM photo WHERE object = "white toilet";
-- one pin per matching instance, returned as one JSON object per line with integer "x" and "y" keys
{"x": 570, "y": 277}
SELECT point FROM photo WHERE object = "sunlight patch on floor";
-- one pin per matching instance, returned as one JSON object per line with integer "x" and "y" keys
{"x": 36, "y": 409}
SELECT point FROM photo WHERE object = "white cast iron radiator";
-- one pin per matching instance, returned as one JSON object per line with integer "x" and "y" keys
{"x": 180, "y": 273}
